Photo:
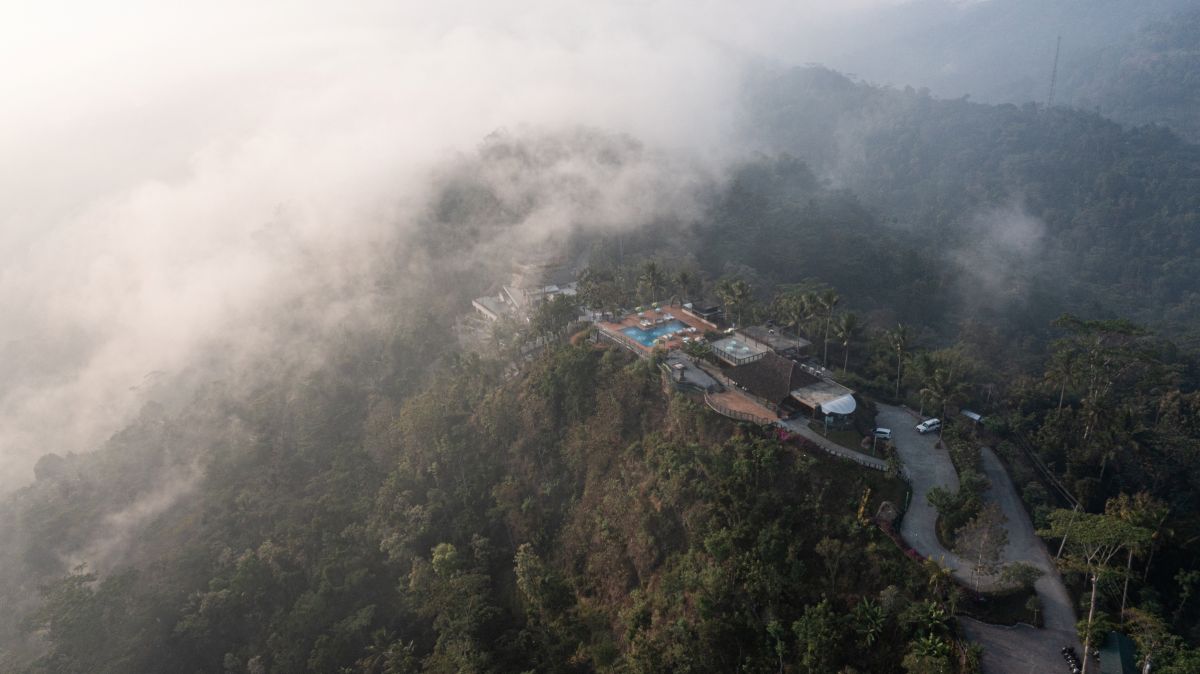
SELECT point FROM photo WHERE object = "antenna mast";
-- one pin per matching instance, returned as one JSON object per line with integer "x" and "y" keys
{"x": 1054, "y": 73}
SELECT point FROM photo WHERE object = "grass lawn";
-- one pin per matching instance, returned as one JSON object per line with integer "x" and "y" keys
{"x": 846, "y": 437}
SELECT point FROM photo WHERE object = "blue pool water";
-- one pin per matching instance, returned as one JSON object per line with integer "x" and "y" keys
{"x": 646, "y": 337}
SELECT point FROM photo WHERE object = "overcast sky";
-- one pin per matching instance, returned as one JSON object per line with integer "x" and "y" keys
{"x": 145, "y": 146}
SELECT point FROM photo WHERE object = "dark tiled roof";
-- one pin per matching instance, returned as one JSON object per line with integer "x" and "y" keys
{"x": 771, "y": 377}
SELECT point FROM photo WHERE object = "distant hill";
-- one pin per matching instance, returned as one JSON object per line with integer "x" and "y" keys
{"x": 1152, "y": 77}
{"x": 1135, "y": 61}
{"x": 1100, "y": 217}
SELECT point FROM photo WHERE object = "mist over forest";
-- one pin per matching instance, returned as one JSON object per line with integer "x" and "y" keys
{"x": 312, "y": 357}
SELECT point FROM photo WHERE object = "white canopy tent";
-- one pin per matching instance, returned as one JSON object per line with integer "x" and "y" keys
{"x": 842, "y": 405}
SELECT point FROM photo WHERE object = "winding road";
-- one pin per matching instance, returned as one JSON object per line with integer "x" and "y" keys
{"x": 1006, "y": 649}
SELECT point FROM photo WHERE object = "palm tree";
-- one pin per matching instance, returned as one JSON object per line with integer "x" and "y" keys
{"x": 810, "y": 308}
{"x": 922, "y": 365}
{"x": 845, "y": 330}
{"x": 869, "y": 621}
{"x": 826, "y": 300}
{"x": 898, "y": 339}
{"x": 932, "y": 618}
{"x": 1062, "y": 370}
{"x": 684, "y": 282}
{"x": 792, "y": 306}
{"x": 736, "y": 295}
{"x": 652, "y": 279}
{"x": 1142, "y": 510}
{"x": 724, "y": 292}
{"x": 940, "y": 577}
{"x": 942, "y": 389}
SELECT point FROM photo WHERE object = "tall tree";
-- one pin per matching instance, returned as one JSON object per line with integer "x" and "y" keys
{"x": 1145, "y": 511}
{"x": 1105, "y": 352}
{"x": 846, "y": 330}
{"x": 794, "y": 305}
{"x": 982, "y": 540}
{"x": 943, "y": 390}
{"x": 1061, "y": 371}
{"x": 826, "y": 301}
{"x": 685, "y": 284}
{"x": 898, "y": 340}
{"x": 1092, "y": 540}
{"x": 738, "y": 297}
{"x": 651, "y": 281}
{"x": 554, "y": 315}
{"x": 817, "y": 636}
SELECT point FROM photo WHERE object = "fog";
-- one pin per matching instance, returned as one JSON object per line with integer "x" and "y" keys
{"x": 169, "y": 169}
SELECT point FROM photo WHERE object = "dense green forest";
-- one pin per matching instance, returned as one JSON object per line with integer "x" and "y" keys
{"x": 400, "y": 505}
{"x": 573, "y": 519}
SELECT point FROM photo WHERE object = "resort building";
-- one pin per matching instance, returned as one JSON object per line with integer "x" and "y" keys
{"x": 788, "y": 346}
{"x": 541, "y": 276}
{"x": 705, "y": 311}
{"x": 519, "y": 301}
{"x": 750, "y": 344}
{"x": 751, "y": 380}
{"x": 737, "y": 350}
{"x": 789, "y": 387}
{"x": 491, "y": 307}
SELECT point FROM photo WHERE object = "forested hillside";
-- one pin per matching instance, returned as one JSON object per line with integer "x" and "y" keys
{"x": 1129, "y": 61}
{"x": 1060, "y": 207}
{"x": 570, "y": 520}
{"x": 383, "y": 500}
{"x": 1150, "y": 77}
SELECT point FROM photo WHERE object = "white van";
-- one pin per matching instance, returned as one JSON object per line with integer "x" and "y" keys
{"x": 929, "y": 426}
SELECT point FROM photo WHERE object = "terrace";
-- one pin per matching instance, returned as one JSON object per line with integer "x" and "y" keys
{"x": 655, "y": 326}
{"x": 739, "y": 350}
{"x": 780, "y": 342}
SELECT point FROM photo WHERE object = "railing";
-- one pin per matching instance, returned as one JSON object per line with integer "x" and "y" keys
{"x": 732, "y": 385}
{"x": 807, "y": 442}
{"x": 621, "y": 340}
{"x": 734, "y": 414}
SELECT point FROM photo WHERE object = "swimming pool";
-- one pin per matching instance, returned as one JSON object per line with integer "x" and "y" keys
{"x": 646, "y": 337}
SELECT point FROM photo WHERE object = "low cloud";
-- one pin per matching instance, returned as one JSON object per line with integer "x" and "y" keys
{"x": 999, "y": 253}
{"x": 170, "y": 170}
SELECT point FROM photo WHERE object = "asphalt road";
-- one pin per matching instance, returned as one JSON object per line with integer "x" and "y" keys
{"x": 926, "y": 467}
{"x": 1006, "y": 649}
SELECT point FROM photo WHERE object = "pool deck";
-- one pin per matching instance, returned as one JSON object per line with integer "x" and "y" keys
{"x": 633, "y": 321}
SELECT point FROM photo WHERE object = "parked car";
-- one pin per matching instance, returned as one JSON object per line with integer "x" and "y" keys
{"x": 929, "y": 426}
{"x": 883, "y": 433}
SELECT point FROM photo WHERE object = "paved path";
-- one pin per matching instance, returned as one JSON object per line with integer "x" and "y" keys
{"x": 1024, "y": 545}
{"x": 1007, "y": 649}
{"x": 1019, "y": 650}
{"x": 800, "y": 427}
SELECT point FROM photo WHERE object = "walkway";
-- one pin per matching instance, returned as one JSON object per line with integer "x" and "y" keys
{"x": 800, "y": 427}
{"x": 926, "y": 466}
